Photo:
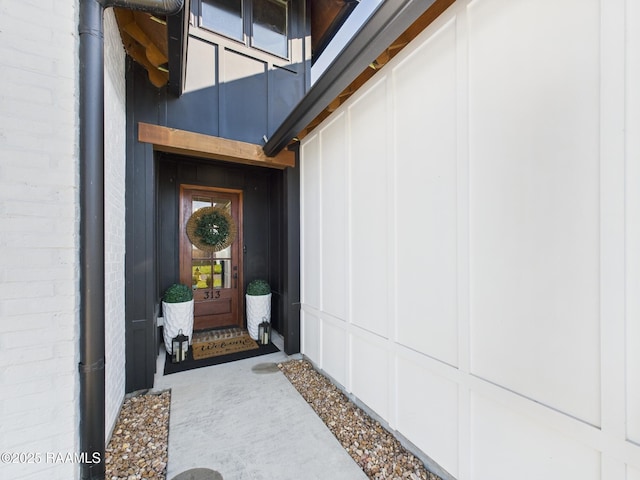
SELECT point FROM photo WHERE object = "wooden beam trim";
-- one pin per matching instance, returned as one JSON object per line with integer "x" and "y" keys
{"x": 172, "y": 140}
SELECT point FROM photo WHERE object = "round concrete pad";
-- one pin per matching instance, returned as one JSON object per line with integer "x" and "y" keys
{"x": 265, "y": 368}
{"x": 198, "y": 474}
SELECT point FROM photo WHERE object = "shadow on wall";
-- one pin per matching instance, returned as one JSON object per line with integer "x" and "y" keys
{"x": 248, "y": 105}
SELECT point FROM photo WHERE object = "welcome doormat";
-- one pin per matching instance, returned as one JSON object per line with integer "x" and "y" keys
{"x": 212, "y": 343}
{"x": 191, "y": 362}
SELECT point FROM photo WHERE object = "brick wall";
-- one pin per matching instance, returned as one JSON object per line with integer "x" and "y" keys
{"x": 38, "y": 235}
{"x": 115, "y": 149}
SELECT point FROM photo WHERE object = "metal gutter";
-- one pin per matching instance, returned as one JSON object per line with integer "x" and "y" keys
{"x": 154, "y": 7}
{"x": 92, "y": 284}
{"x": 386, "y": 24}
{"x": 178, "y": 31}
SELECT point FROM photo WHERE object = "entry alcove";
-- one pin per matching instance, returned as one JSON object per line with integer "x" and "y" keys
{"x": 263, "y": 220}
{"x": 270, "y": 247}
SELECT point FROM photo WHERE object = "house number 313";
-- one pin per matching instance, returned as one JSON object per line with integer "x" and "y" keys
{"x": 209, "y": 296}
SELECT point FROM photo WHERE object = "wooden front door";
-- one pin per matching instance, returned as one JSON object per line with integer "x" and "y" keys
{"x": 216, "y": 276}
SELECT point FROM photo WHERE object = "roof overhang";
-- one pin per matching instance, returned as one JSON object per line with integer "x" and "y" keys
{"x": 327, "y": 16}
{"x": 158, "y": 43}
{"x": 392, "y": 26}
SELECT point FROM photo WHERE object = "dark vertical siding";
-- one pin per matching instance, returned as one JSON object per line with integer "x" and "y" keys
{"x": 140, "y": 261}
{"x": 290, "y": 248}
{"x": 244, "y": 101}
{"x": 168, "y": 233}
{"x": 234, "y": 91}
{"x": 276, "y": 220}
{"x": 286, "y": 87}
{"x": 197, "y": 109}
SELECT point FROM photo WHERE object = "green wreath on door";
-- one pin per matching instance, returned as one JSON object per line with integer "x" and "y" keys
{"x": 211, "y": 229}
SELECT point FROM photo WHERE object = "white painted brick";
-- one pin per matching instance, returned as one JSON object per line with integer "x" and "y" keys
{"x": 28, "y": 472}
{"x": 63, "y": 347}
{"x": 25, "y": 372}
{"x": 32, "y": 62}
{"x": 63, "y": 288}
{"x": 20, "y": 308}
{"x": 18, "y": 28}
{"x": 61, "y": 195}
{"x": 12, "y": 75}
{"x": 115, "y": 154}
{"x": 25, "y": 355}
{"x": 25, "y": 323}
{"x": 39, "y": 322}
{"x": 24, "y": 420}
{"x": 35, "y": 258}
{"x": 16, "y": 125}
{"x": 40, "y": 386}
{"x": 39, "y": 193}
{"x": 54, "y": 273}
{"x": 21, "y": 224}
{"x": 25, "y": 403}
{"x": 17, "y": 290}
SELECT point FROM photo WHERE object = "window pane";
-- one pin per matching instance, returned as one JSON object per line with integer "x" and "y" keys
{"x": 200, "y": 202}
{"x": 201, "y": 273}
{"x": 270, "y": 26}
{"x": 222, "y": 274}
{"x": 197, "y": 204}
{"x": 211, "y": 269}
{"x": 206, "y": 275}
{"x": 223, "y": 16}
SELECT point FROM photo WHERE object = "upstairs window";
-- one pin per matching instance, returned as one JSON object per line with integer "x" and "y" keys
{"x": 223, "y": 16}
{"x": 269, "y": 26}
{"x": 262, "y": 24}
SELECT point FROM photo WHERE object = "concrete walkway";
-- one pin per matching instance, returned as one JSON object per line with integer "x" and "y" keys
{"x": 247, "y": 422}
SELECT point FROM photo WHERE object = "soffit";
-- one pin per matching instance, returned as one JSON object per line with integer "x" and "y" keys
{"x": 145, "y": 39}
{"x": 327, "y": 16}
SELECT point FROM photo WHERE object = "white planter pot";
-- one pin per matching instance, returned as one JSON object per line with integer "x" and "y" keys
{"x": 258, "y": 309}
{"x": 177, "y": 316}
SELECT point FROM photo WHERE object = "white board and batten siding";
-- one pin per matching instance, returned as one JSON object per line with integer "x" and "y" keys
{"x": 471, "y": 241}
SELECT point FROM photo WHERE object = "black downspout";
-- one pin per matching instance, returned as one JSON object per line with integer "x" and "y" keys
{"x": 92, "y": 285}
{"x": 92, "y": 345}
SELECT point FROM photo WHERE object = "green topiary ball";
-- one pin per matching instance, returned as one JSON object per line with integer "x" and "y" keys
{"x": 258, "y": 287}
{"x": 177, "y": 293}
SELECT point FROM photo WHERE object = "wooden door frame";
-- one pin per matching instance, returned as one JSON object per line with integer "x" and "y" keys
{"x": 184, "y": 240}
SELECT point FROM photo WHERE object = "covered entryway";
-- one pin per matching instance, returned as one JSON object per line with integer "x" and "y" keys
{"x": 177, "y": 172}
{"x": 254, "y": 199}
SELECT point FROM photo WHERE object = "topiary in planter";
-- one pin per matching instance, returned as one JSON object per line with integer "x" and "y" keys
{"x": 177, "y": 293}
{"x": 177, "y": 307}
{"x": 258, "y": 287}
{"x": 258, "y": 302}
